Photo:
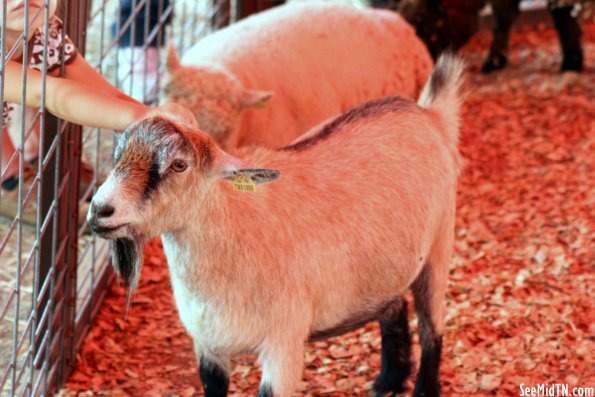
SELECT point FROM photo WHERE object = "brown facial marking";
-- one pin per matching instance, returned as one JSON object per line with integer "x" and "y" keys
{"x": 138, "y": 166}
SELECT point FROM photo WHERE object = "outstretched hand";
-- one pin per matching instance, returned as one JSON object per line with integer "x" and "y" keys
{"x": 174, "y": 112}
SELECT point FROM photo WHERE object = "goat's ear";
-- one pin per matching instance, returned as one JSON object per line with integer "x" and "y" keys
{"x": 233, "y": 169}
{"x": 257, "y": 176}
{"x": 173, "y": 60}
{"x": 255, "y": 98}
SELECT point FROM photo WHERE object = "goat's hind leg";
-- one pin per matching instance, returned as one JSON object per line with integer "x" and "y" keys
{"x": 396, "y": 350}
{"x": 429, "y": 290}
{"x": 429, "y": 313}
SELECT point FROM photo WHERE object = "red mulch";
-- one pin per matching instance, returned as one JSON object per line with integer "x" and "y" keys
{"x": 522, "y": 286}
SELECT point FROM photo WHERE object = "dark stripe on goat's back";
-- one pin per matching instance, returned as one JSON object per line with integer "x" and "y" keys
{"x": 369, "y": 109}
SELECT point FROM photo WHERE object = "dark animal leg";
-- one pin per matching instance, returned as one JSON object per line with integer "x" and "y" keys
{"x": 427, "y": 383}
{"x": 505, "y": 12}
{"x": 215, "y": 379}
{"x": 396, "y": 352}
{"x": 569, "y": 33}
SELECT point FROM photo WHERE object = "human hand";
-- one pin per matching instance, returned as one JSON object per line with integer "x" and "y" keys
{"x": 174, "y": 112}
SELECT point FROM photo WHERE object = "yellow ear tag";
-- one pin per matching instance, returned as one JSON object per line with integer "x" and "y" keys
{"x": 243, "y": 183}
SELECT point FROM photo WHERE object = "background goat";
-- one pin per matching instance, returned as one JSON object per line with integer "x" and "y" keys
{"x": 306, "y": 62}
{"x": 364, "y": 209}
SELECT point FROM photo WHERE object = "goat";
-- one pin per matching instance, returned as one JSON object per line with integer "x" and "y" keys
{"x": 268, "y": 248}
{"x": 272, "y": 76}
{"x": 446, "y": 25}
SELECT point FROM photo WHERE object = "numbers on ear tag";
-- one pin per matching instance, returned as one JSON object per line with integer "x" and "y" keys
{"x": 243, "y": 183}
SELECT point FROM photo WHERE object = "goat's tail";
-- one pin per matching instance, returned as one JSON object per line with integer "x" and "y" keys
{"x": 442, "y": 93}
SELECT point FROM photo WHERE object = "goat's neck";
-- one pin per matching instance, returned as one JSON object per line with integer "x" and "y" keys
{"x": 194, "y": 250}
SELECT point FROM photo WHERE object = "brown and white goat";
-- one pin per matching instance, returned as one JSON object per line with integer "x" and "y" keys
{"x": 354, "y": 215}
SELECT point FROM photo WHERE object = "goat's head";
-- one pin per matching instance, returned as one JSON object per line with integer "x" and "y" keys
{"x": 215, "y": 97}
{"x": 159, "y": 167}
{"x": 155, "y": 163}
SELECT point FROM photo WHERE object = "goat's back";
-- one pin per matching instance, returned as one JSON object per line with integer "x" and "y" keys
{"x": 364, "y": 200}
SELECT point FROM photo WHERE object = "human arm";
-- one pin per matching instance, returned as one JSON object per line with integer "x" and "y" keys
{"x": 80, "y": 70}
{"x": 71, "y": 100}
{"x": 82, "y": 103}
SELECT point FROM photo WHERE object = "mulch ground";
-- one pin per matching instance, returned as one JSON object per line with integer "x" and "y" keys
{"x": 522, "y": 285}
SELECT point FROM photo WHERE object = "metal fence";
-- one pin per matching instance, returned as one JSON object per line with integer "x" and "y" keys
{"x": 53, "y": 273}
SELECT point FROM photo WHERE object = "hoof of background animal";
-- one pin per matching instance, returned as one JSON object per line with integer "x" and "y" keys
{"x": 494, "y": 63}
{"x": 572, "y": 63}
{"x": 374, "y": 393}
{"x": 384, "y": 386}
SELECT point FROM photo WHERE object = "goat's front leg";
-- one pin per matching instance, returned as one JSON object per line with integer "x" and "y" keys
{"x": 214, "y": 373}
{"x": 505, "y": 12}
{"x": 282, "y": 363}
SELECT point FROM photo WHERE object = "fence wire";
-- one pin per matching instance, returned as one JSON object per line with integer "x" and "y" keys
{"x": 53, "y": 273}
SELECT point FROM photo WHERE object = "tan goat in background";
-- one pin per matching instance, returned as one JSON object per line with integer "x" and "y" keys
{"x": 271, "y": 77}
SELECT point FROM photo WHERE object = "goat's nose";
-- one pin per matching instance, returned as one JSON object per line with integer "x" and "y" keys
{"x": 103, "y": 210}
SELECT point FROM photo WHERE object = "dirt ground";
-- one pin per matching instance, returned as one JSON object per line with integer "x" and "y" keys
{"x": 522, "y": 286}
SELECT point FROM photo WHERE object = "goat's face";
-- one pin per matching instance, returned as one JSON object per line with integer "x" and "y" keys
{"x": 155, "y": 164}
{"x": 215, "y": 97}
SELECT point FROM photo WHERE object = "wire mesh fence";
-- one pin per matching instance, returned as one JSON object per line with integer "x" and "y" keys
{"x": 53, "y": 273}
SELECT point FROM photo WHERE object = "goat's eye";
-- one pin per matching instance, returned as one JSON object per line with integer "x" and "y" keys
{"x": 179, "y": 166}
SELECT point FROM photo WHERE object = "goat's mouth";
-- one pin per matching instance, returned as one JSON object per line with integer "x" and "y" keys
{"x": 106, "y": 232}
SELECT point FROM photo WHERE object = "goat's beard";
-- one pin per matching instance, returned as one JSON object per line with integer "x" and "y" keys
{"x": 127, "y": 259}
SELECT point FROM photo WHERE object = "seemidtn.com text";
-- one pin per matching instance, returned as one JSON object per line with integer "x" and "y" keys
{"x": 555, "y": 390}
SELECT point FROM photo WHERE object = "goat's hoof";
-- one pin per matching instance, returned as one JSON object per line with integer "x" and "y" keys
{"x": 494, "y": 63}
{"x": 426, "y": 391}
{"x": 572, "y": 63}
{"x": 387, "y": 387}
